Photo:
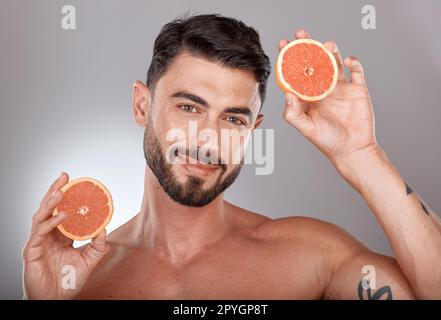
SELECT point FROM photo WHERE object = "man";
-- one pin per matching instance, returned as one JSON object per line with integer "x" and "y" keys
{"x": 187, "y": 242}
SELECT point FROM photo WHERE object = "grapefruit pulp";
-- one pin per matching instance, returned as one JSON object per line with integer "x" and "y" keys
{"x": 306, "y": 68}
{"x": 88, "y": 207}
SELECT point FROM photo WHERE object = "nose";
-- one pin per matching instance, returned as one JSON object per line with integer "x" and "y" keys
{"x": 207, "y": 138}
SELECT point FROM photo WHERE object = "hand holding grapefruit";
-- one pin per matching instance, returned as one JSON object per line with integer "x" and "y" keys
{"x": 330, "y": 110}
{"x": 47, "y": 252}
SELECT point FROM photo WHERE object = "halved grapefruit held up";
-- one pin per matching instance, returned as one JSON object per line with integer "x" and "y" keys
{"x": 306, "y": 68}
{"x": 88, "y": 207}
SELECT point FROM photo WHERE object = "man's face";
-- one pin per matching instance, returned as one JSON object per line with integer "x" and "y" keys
{"x": 200, "y": 118}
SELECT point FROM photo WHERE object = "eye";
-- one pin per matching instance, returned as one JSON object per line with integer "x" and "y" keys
{"x": 188, "y": 108}
{"x": 236, "y": 121}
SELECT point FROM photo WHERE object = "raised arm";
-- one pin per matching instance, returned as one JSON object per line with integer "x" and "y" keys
{"x": 413, "y": 229}
{"x": 341, "y": 126}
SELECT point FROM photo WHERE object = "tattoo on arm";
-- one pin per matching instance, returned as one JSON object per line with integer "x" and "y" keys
{"x": 410, "y": 191}
{"x": 384, "y": 293}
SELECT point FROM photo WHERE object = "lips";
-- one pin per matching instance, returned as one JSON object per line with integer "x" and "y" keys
{"x": 201, "y": 169}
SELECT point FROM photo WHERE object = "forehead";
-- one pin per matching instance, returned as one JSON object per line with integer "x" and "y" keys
{"x": 214, "y": 82}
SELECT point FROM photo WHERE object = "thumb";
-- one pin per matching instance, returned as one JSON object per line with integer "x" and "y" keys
{"x": 96, "y": 250}
{"x": 296, "y": 116}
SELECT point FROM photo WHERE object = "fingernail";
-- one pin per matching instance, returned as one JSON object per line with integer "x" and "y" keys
{"x": 288, "y": 99}
{"x": 61, "y": 215}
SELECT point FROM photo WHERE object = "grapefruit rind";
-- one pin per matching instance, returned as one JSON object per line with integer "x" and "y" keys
{"x": 103, "y": 225}
{"x": 286, "y": 87}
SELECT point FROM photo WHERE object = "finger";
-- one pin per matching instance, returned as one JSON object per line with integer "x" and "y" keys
{"x": 332, "y": 46}
{"x": 96, "y": 250}
{"x": 47, "y": 208}
{"x": 57, "y": 184}
{"x": 302, "y": 34}
{"x": 283, "y": 43}
{"x": 50, "y": 224}
{"x": 295, "y": 114}
{"x": 38, "y": 236}
{"x": 355, "y": 70}
{"x": 99, "y": 242}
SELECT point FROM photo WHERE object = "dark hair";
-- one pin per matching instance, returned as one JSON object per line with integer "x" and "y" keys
{"x": 214, "y": 37}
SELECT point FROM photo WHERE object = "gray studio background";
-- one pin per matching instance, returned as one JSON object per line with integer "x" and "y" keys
{"x": 65, "y": 100}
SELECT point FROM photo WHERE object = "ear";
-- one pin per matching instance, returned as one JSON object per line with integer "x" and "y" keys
{"x": 259, "y": 120}
{"x": 141, "y": 103}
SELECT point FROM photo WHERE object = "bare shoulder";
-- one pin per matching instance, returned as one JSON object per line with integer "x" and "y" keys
{"x": 297, "y": 228}
{"x": 320, "y": 237}
{"x": 244, "y": 219}
{"x": 334, "y": 256}
{"x": 326, "y": 239}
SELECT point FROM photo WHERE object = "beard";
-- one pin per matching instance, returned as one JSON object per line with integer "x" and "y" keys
{"x": 191, "y": 192}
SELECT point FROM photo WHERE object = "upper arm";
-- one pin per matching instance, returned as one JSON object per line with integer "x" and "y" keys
{"x": 340, "y": 262}
{"x": 346, "y": 262}
{"x": 369, "y": 276}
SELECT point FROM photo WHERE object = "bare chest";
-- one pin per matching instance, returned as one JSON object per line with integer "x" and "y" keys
{"x": 253, "y": 274}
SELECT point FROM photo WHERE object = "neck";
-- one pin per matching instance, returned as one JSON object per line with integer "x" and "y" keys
{"x": 174, "y": 231}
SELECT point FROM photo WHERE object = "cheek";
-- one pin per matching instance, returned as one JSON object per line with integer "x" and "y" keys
{"x": 166, "y": 124}
{"x": 172, "y": 136}
{"x": 171, "y": 120}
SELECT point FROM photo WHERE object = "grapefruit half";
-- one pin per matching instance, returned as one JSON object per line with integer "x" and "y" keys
{"x": 306, "y": 68}
{"x": 88, "y": 207}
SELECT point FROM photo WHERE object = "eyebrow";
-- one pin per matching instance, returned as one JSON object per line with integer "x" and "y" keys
{"x": 190, "y": 96}
{"x": 199, "y": 100}
{"x": 240, "y": 110}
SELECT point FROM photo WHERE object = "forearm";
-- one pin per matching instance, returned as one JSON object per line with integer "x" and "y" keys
{"x": 413, "y": 229}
